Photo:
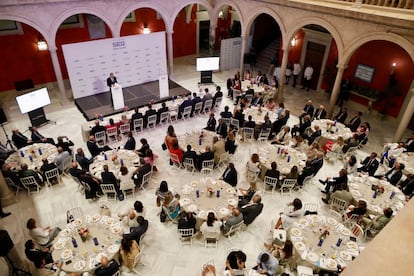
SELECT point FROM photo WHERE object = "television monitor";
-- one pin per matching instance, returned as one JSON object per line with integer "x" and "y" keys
{"x": 208, "y": 64}
{"x": 33, "y": 100}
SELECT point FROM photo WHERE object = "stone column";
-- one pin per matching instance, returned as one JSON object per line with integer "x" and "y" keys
{"x": 58, "y": 74}
{"x": 243, "y": 50}
{"x": 405, "y": 119}
{"x": 282, "y": 74}
{"x": 7, "y": 197}
{"x": 170, "y": 54}
{"x": 335, "y": 90}
{"x": 212, "y": 40}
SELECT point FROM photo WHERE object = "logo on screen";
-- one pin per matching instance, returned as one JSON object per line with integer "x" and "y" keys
{"x": 118, "y": 44}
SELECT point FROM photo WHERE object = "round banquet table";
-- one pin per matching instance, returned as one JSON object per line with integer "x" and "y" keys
{"x": 87, "y": 256}
{"x": 206, "y": 203}
{"x": 305, "y": 235}
{"x": 407, "y": 159}
{"x": 193, "y": 139}
{"x": 269, "y": 153}
{"x": 114, "y": 160}
{"x": 257, "y": 116}
{"x": 32, "y": 155}
{"x": 360, "y": 188}
{"x": 330, "y": 132}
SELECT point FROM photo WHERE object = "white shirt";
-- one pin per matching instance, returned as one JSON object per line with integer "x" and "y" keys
{"x": 296, "y": 69}
{"x": 284, "y": 140}
{"x": 215, "y": 228}
{"x": 277, "y": 73}
{"x": 308, "y": 73}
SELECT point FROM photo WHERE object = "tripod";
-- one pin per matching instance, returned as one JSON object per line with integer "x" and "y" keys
{"x": 9, "y": 142}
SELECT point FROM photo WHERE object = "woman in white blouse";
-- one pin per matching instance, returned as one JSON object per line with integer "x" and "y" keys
{"x": 351, "y": 165}
{"x": 286, "y": 219}
{"x": 212, "y": 224}
{"x": 42, "y": 236}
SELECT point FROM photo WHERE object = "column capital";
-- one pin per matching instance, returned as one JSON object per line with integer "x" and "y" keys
{"x": 342, "y": 67}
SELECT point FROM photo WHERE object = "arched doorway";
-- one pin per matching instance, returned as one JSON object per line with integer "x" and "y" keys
{"x": 141, "y": 21}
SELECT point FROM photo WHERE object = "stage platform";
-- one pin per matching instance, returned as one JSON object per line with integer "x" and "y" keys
{"x": 134, "y": 96}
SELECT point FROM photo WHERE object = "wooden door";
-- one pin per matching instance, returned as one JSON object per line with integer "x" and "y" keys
{"x": 314, "y": 56}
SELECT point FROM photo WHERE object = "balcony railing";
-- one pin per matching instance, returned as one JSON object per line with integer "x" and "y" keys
{"x": 399, "y": 4}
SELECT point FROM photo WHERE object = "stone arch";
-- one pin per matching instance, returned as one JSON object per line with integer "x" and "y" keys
{"x": 268, "y": 11}
{"x": 321, "y": 22}
{"x": 126, "y": 11}
{"x": 216, "y": 10}
{"x": 390, "y": 37}
{"x": 28, "y": 22}
{"x": 79, "y": 10}
{"x": 174, "y": 15}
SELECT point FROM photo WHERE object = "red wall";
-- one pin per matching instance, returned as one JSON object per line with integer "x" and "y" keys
{"x": 184, "y": 37}
{"x": 295, "y": 51}
{"x": 144, "y": 16}
{"x": 380, "y": 55}
{"x": 22, "y": 60}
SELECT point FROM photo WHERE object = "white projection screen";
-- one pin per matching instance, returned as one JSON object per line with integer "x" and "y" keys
{"x": 134, "y": 60}
{"x": 33, "y": 100}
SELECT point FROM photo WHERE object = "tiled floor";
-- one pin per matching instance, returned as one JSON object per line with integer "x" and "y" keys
{"x": 163, "y": 253}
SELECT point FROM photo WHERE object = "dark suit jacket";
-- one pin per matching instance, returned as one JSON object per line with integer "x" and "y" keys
{"x": 222, "y": 130}
{"x": 96, "y": 129}
{"x": 161, "y": 110}
{"x": 369, "y": 168}
{"x": 144, "y": 169}
{"x": 231, "y": 177}
{"x": 314, "y": 135}
{"x": 308, "y": 109}
{"x": 316, "y": 165}
{"x": 137, "y": 232}
{"x": 211, "y": 124}
{"x": 191, "y": 155}
{"x": 148, "y": 113}
{"x": 203, "y": 157}
{"x": 110, "y": 82}
{"x": 341, "y": 116}
{"x": 93, "y": 148}
{"x": 20, "y": 140}
{"x": 227, "y": 114}
{"x": 409, "y": 147}
{"x": 196, "y": 100}
{"x": 110, "y": 270}
{"x": 30, "y": 172}
{"x": 37, "y": 257}
{"x": 274, "y": 174}
{"x": 257, "y": 101}
{"x": 278, "y": 124}
{"x": 251, "y": 211}
{"x": 130, "y": 144}
{"x": 354, "y": 123}
{"x": 184, "y": 104}
{"x": 108, "y": 178}
{"x": 218, "y": 94}
{"x": 319, "y": 114}
{"x": 75, "y": 172}
{"x": 251, "y": 124}
{"x": 395, "y": 177}
{"x": 83, "y": 161}
{"x": 14, "y": 176}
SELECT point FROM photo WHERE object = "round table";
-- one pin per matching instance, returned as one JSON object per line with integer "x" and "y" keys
{"x": 258, "y": 116}
{"x": 86, "y": 256}
{"x": 407, "y": 159}
{"x": 360, "y": 188}
{"x": 32, "y": 155}
{"x": 114, "y": 160}
{"x": 208, "y": 201}
{"x": 280, "y": 154}
{"x": 330, "y": 132}
{"x": 305, "y": 235}
{"x": 193, "y": 139}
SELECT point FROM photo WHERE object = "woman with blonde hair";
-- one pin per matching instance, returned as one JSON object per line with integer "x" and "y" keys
{"x": 128, "y": 251}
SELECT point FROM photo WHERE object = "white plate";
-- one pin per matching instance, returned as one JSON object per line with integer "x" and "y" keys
{"x": 99, "y": 256}
{"x": 300, "y": 246}
{"x": 110, "y": 221}
{"x": 332, "y": 221}
{"x": 66, "y": 254}
{"x": 79, "y": 265}
{"x": 315, "y": 218}
{"x": 376, "y": 208}
{"x": 313, "y": 257}
{"x": 186, "y": 190}
{"x": 401, "y": 197}
{"x": 352, "y": 245}
{"x": 77, "y": 222}
{"x": 185, "y": 201}
{"x": 355, "y": 193}
{"x": 355, "y": 186}
{"x": 345, "y": 256}
{"x": 113, "y": 248}
{"x": 224, "y": 211}
{"x": 331, "y": 263}
{"x": 192, "y": 208}
{"x": 116, "y": 229}
{"x": 345, "y": 232}
{"x": 232, "y": 202}
{"x": 295, "y": 232}
{"x": 96, "y": 217}
{"x": 303, "y": 222}
{"x": 59, "y": 245}
{"x": 65, "y": 233}
{"x": 230, "y": 190}
{"x": 195, "y": 183}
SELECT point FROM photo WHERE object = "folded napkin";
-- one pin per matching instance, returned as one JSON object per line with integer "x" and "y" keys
{"x": 91, "y": 262}
{"x": 293, "y": 238}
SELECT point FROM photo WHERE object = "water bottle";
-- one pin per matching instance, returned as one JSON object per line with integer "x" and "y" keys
{"x": 198, "y": 193}
{"x": 105, "y": 156}
{"x": 288, "y": 159}
{"x": 200, "y": 141}
{"x": 21, "y": 153}
{"x": 338, "y": 243}
{"x": 337, "y": 129}
{"x": 392, "y": 195}
{"x": 320, "y": 242}
{"x": 122, "y": 162}
{"x": 95, "y": 241}
{"x": 375, "y": 194}
{"x": 40, "y": 151}
{"x": 218, "y": 193}
{"x": 278, "y": 150}
{"x": 75, "y": 244}
{"x": 30, "y": 158}
{"x": 335, "y": 123}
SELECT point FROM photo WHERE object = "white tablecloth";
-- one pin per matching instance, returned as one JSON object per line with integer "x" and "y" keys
{"x": 32, "y": 155}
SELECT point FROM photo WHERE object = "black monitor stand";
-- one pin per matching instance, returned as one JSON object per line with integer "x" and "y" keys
{"x": 206, "y": 77}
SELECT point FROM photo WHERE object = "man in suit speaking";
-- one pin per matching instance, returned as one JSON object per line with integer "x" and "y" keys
{"x": 111, "y": 82}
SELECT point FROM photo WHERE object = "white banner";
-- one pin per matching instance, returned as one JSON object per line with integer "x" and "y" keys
{"x": 133, "y": 59}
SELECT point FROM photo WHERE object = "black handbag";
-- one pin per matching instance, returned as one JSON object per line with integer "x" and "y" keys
{"x": 163, "y": 216}
{"x": 164, "y": 146}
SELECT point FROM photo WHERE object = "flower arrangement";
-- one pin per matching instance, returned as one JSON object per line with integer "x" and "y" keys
{"x": 260, "y": 109}
{"x": 84, "y": 233}
{"x": 126, "y": 108}
{"x": 201, "y": 134}
{"x": 324, "y": 233}
{"x": 100, "y": 117}
{"x": 380, "y": 189}
{"x": 114, "y": 157}
{"x": 210, "y": 191}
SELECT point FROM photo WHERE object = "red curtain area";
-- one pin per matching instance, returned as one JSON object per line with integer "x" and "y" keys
{"x": 184, "y": 37}
{"x": 295, "y": 51}
{"x": 143, "y": 17}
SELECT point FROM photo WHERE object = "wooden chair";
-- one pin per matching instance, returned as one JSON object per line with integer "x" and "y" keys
{"x": 186, "y": 236}
{"x": 100, "y": 138}
{"x": 109, "y": 191}
{"x": 248, "y": 134}
{"x": 270, "y": 182}
{"x": 211, "y": 238}
{"x": 138, "y": 125}
{"x": 338, "y": 204}
{"x": 51, "y": 175}
{"x": 30, "y": 184}
{"x": 164, "y": 117}
{"x": 152, "y": 121}
{"x": 189, "y": 165}
{"x": 112, "y": 134}
{"x": 207, "y": 106}
{"x": 197, "y": 108}
{"x": 186, "y": 113}
{"x": 288, "y": 184}
{"x": 12, "y": 185}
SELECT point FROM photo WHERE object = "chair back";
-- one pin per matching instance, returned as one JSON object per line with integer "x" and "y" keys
{"x": 174, "y": 158}
{"x": 226, "y": 121}
{"x": 197, "y": 107}
{"x": 234, "y": 229}
{"x": 189, "y": 164}
{"x": 218, "y": 102}
{"x": 138, "y": 125}
{"x": 264, "y": 134}
{"x": 100, "y": 137}
{"x": 118, "y": 273}
{"x": 270, "y": 181}
{"x": 186, "y": 113}
{"x": 109, "y": 191}
{"x": 124, "y": 128}
{"x": 357, "y": 231}
{"x": 235, "y": 123}
{"x": 52, "y": 174}
{"x": 354, "y": 218}
{"x": 128, "y": 189}
{"x": 112, "y": 131}
{"x": 75, "y": 212}
{"x": 152, "y": 121}
{"x": 338, "y": 204}
{"x": 186, "y": 236}
{"x": 164, "y": 117}
{"x": 67, "y": 164}
{"x": 206, "y": 171}
{"x": 310, "y": 207}
{"x": 249, "y": 99}
{"x": 207, "y": 105}
{"x": 211, "y": 238}
{"x": 12, "y": 185}
{"x": 208, "y": 164}
{"x": 146, "y": 178}
{"x": 29, "y": 182}
{"x": 288, "y": 185}
{"x": 248, "y": 133}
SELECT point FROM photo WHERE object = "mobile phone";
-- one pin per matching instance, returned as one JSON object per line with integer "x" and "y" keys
{"x": 68, "y": 262}
{"x": 353, "y": 239}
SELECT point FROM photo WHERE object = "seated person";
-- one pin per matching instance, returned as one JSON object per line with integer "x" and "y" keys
{"x": 267, "y": 264}
{"x": 186, "y": 103}
{"x": 190, "y": 154}
{"x": 319, "y": 113}
{"x": 161, "y": 192}
{"x": 42, "y": 236}
{"x": 360, "y": 210}
{"x": 149, "y": 113}
{"x": 230, "y": 145}
{"x": 26, "y": 172}
{"x": 144, "y": 147}
{"x": 394, "y": 175}
{"x": 212, "y": 224}
{"x": 171, "y": 205}
{"x": 370, "y": 164}
{"x": 253, "y": 164}
{"x": 235, "y": 218}
{"x": 334, "y": 182}
{"x": 47, "y": 167}
{"x": 409, "y": 143}
{"x": 342, "y": 193}
{"x": 378, "y": 223}
{"x": 175, "y": 149}
{"x": 283, "y": 254}
{"x": 66, "y": 145}
{"x": 97, "y": 128}
{"x": 128, "y": 252}
{"x": 314, "y": 134}
{"x": 280, "y": 122}
{"x": 407, "y": 186}
{"x": 139, "y": 173}
{"x": 250, "y": 123}
{"x": 205, "y": 156}
{"x": 270, "y": 104}
{"x": 83, "y": 161}
{"x": 74, "y": 171}
{"x": 273, "y": 172}
{"x": 341, "y": 115}
{"x": 60, "y": 158}
{"x": 221, "y": 128}
{"x": 252, "y": 210}
{"x": 187, "y": 221}
{"x": 211, "y": 123}
{"x": 219, "y": 148}
{"x": 392, "y": 151}
{"x": 93, "y": 147}
{"x": 93, "y": 183}
{"x": 109, "y": 178}
{"x": 130, "y": 144}
{"x": 39, "y": 138}
{"x": 107, "y": 267}
{"x": 247, "y": 194}
{"x": 164, "y": 108}
{"x": 283, "y": 137}
{"x": 135, "y": 233}
{"x": 5, "y": 152}
{"x": 304, "y": 123}
{"x": 112, "y": 124}
{"x": 286, "y": 219}
{"x": 19, "y": 139}
{"x": 236, "y": 262}
{"x": 226, "y": 113}
{"x": 230, "y": 175}
{"x": 40, "y": 257}
{"x": 13, "y": 175}
{"x": 132, "y": 214}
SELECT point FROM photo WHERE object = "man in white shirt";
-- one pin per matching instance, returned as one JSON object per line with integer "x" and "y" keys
{"x": 307, "y": 76}
{"x": 296, "y": 71}
{"x": 283, "y": 137}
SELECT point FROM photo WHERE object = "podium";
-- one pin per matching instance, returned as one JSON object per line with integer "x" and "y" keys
{"x": 117, "y": 97}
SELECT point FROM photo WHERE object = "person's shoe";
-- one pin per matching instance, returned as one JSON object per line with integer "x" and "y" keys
{"x": 5, "y": 215}
{"x": 325, "y": 201}
{"x": 322, "y": 182}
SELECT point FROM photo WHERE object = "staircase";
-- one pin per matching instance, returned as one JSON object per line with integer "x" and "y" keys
{"x": 265, "y": 56}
